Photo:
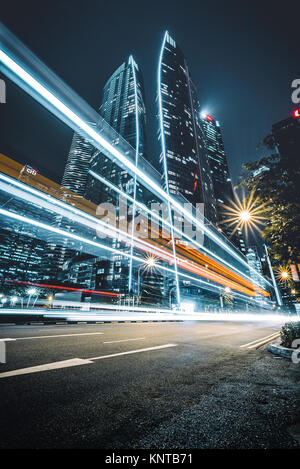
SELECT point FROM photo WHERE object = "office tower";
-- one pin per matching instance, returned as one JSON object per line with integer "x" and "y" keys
{"x": 183, "y": 160}
{"x": 217, "y": 163}
{"x": 220, "y": 176}
{"x": 58, "y": 250}
{"x": 123, "y": 108}
{"x": 77, "y": 166}
{"x": 254, "y": 262}
{"x": 21, "y": 254}
{"x": 286, "y": 136}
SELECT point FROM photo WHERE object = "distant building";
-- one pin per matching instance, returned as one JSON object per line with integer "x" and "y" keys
{"x": 58, "y": 250}
{"x": 220, "y": 176}
{"x": 286, "y": 135}
{"x": 254, "y": 262}
{"x": 21, "y": 254}
{"x": 77, "y": 166}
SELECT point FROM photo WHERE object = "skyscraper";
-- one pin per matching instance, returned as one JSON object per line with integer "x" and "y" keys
{"x": 217, "y": 162}
{"x": 183, "y": 159}
{"x": 185, "y": 169}
{"x": 123, "y": 108}
{"x": 74, "y": 179}
{"x": 220, "y": 176}
{"x": 77, "y": 166}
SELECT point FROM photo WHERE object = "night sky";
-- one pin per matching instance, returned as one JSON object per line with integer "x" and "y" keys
{"x": 242, "y": 56}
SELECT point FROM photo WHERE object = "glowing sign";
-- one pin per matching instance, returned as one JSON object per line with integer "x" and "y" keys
{"x": 296, "y": 113}
{"x": 31, "y": 170}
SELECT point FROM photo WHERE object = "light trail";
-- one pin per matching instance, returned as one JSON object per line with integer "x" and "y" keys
{"x": 98, "y": 245}
{"x": 137, "y": 146}
{"x": 165, "y": 222}
{"x": 60, "y": 287}
{"x": 153, "y": 315}
{"x": 59, "y": 108}
{"x": 139, "y": 243}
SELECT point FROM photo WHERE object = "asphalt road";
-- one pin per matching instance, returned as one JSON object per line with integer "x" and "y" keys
{"x": 194, "y": 386}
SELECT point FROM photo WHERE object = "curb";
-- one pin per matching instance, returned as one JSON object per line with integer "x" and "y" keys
{"x": 57, "y": 323}
{"x": 278, "y": 349}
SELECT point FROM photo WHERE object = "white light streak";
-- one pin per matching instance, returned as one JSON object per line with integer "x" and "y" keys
{"x": 162, "y": 137}
{"x": 38, "y": 89}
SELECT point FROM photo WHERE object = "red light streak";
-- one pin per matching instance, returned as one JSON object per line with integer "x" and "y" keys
{"x": 60, "y": 287}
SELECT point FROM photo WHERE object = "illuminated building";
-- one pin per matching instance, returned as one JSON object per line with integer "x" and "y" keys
{"x": 21, "y": 254}
{"x": 77, "y": 166}
{"x": 123, "y": 108}
{"x": 220, "y": 176}
{"x": 58, "y": 250}
{"x": 286, "y": 136}
{"x": 255, "y": 262}
{"x": 183, "y": 158}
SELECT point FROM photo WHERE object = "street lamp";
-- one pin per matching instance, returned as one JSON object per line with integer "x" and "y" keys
{"x": 149, "y": 263}
{"x": 283, "y": 273}
{"x": 170, "y": 297}
{"x": 30, "y": 291}
{"x": 245, "y": 213}
{"x": 13, "y": 300}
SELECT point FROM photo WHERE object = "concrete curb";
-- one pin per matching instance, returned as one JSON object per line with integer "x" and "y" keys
{"x": 278, "y": 349}
{"x": 63, "y": 323}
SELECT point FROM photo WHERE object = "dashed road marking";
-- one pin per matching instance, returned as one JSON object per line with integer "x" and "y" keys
{"x": 123, "y": 340}
{"x": 76, "y": 362}
{"x": 52, "y": 336}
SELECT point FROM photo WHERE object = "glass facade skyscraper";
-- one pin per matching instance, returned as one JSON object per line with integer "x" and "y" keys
{"x": 77, "y": 166}
{"x": 220, "y": 176}
{"x": 217, "y": 161}
{"x": 123, "y": 108}
{"x": 183, "y": 158}
{"x": 59, "y": 251}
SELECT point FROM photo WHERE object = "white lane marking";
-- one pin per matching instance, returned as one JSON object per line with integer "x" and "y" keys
{"x": 123, "y": 340}
{"x": 53, "y": 336}
{"x": 7, "y": 340}
{"x": 46, "y": 367}
{"x": 158, "y": 347}
{"x": 255, "y": 342}
{"x": 75, "y": 362}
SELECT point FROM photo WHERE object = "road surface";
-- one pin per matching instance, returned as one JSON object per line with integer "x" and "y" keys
{"x": 171, "y": 385}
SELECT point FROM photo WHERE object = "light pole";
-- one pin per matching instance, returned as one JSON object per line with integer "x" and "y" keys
{"x": 13, "y": 300}
{"x": 31, "y": 291}
{"x": 170, "y": 297}
{"x": 150, "y": 263}
{"x": 278, "y": 297}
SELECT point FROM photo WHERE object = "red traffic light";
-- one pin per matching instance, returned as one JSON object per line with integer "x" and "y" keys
{"x": 296, "y": 113}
